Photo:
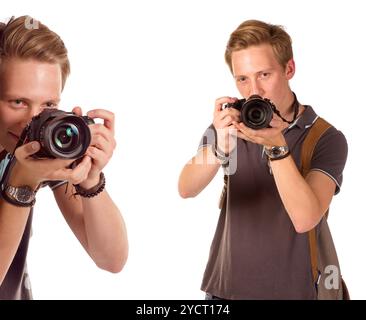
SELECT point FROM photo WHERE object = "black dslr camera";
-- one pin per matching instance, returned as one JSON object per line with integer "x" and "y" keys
{"x": 61, "y": 134}
{"x": 256, "y": 112}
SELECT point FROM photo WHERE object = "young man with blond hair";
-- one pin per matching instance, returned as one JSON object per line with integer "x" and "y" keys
{"x": 33, "y": 69}
{"x": 260, "y": 249}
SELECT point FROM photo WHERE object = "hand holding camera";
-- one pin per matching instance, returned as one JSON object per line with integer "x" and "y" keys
{"x": 255, "y": 112}
{"x": 102, "y": 143}
{"x": 223, "y": 123}
{"x": 48, "y": 145}
{"x": 63, "y": 135}
{"x": 54, "y": 139}
{"x": 260, "y": 121}
{"x": 31, "y": 172}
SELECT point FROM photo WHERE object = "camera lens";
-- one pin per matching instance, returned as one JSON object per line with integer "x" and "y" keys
{"x": 256, "y": 113}
{"x": 61, "y": 134}
{"x": 66, "y": 137}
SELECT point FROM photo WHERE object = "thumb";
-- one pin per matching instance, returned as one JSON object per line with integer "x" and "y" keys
{"x": 276, "y": 123}
{"x": 77, "y": 111}
{"x": 26, "y": 150}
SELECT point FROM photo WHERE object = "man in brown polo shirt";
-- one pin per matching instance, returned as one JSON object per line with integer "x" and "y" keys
{"x": 260, "y": 249}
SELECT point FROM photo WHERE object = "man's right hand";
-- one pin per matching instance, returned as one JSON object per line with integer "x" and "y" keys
{"x": 31, "y": 172}
{"x": 223, "y": 123}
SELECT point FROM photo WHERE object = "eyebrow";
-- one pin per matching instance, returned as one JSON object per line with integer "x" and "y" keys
{"x": 261, "y": 71}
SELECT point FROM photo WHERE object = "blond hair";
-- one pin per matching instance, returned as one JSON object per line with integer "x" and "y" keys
{"x": 255, "y": 32}
{"x": 26, "y": 38}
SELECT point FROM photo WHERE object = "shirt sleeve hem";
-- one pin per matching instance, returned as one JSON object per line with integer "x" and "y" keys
{"x": 338, "y": 187}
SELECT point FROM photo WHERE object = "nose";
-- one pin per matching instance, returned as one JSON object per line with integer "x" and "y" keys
{"x": 34, "y": 110}
{"x": 256, "y": 88}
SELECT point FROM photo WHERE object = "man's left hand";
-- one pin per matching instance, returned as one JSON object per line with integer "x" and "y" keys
{"x": 101, "y": 146}
{"x": 268, "y": 137}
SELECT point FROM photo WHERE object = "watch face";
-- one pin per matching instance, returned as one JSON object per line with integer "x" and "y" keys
{"x": 276, "y": 151}
{"x": 24, "y": 194}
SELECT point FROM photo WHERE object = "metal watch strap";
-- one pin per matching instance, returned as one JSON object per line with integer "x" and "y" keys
{"x": 14, "y": 196}
{"x": 277, "y": 152}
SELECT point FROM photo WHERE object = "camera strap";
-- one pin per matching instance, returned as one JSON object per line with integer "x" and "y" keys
{"x": 295, "y": 105}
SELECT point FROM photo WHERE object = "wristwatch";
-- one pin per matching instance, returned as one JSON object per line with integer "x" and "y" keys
{"x": 221, "y": 156}
{"x": 23, "y": 196}
{"x": 277, "y": 152}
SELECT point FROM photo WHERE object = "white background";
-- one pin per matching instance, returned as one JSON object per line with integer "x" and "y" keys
{"x": 159, "y": 66}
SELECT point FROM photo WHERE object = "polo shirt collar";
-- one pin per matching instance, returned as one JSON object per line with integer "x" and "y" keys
{"x": 306, "y": 119}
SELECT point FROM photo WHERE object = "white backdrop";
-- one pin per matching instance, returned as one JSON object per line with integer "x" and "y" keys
{"x": 159, "y": 66}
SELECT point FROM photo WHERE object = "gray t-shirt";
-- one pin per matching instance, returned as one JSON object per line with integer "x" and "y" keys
{"x": 16, "y": 284}
{"x": 256, "y": 252}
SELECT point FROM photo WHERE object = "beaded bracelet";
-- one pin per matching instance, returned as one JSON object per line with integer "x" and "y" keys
{"x": 92, "y": 192}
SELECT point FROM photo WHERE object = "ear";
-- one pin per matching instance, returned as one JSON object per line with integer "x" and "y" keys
{"x": 290, "y": 69}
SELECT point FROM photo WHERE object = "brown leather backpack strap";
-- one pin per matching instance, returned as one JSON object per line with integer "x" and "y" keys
{"x": 309, "y": 144}
{"x": 315, "y": 133}
{"x": 313, "y": 254}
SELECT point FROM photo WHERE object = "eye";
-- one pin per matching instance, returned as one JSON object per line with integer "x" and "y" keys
{"x": 50, "y": 104}
{"x": 241, "y": 79}
{"x": 17, "y": 103}
{"x": 265, "y": 75}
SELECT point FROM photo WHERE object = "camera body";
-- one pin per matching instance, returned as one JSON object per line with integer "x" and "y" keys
{"x": 61, "y": 134}
{"x": 255, "y": 112}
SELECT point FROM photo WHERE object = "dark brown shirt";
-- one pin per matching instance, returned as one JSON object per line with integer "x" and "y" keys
{"x": 256, "y": 252}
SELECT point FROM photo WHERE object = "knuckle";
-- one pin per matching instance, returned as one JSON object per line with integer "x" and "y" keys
{"x": 17, "y": 154}
{"x": 96, "y": 127}
{"x": 74, "y": 176}
{"x": 97, "y": 138}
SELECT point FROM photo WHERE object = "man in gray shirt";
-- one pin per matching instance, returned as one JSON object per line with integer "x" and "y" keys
{"x": 261, "y": 249}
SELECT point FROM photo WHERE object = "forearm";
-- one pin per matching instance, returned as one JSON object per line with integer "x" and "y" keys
{"x": 105, "y": 232}
{"x": 298, "y": 198}
{"x": 12, "y": 224}
{"x": 198, "y": 173}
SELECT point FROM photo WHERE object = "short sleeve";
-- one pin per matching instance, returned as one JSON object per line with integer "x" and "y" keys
{"x": 208, "y": 138}
{"x": 330, "y": 156}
